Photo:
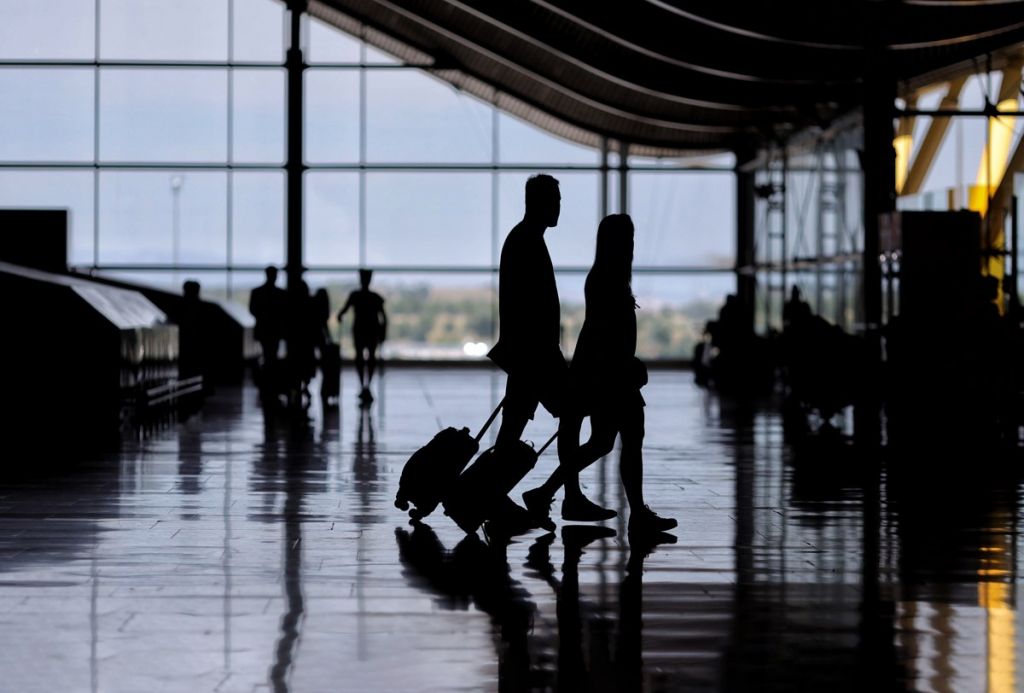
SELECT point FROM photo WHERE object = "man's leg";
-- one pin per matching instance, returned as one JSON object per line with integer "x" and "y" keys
{"x": 516, "y": 412}
{"x": 371, "y": 362}
{"x": 361, "y": 366}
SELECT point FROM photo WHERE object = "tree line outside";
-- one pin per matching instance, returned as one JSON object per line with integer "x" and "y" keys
{"x": 437, "y": 322}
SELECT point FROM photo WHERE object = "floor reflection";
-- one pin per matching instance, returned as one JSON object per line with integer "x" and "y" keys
{"x": 243, "y": 551}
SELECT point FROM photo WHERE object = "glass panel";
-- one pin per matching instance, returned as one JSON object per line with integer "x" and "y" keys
{"x": 672, "y": 313}
{"x": 332, "y": 116}
{"x": 47, "y": 30}
{"x": 168, "y": 281}
{"x": 674, "y": 309}
{"x": 259, "y": 31}
{"x": 163, "y": 217}
{"x": 571, "y": 243}
{"x": 328, "y": 44}
{"x": 46, "y": 115}
{"x": 258, "y": 134}
{"x": 683, "y": 218}
{"x": 522, "y": 143}
{"x": 434, "y": 316}
{"x": 374, "y": 56}
{"x": 159, "y": 30}
{"x": 258, "y": 217}
{"x": 71, "y": 190}
{"x": 163, "y": 115}
{"x": 332, "y": 218}
{"x": 412, "y": 117}
{"x": 440, "y": 219}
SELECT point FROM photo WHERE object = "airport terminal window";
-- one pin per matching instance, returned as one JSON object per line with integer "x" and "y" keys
{"x": 258, "y": 31}
{"x": 157, "y": 30}
{"x": 413, "y": 118}
{"x": 522, "y": 143}
{"x": 257, "y": 217}
{"x": 325, "y": 44}
{"x": 160, "y": 217}
{"x": 683, "y": 218}
{"x": 258, "y": 111}
{"x": 46, "y": 114}
{"x": 428, "y": 219}
{"x": 331, "y": 218}
{"x": 52, "y": 30}
{"x": 332, "y": 116}
{"x": 163, "y": 115}
{"x": 170, "y": 134}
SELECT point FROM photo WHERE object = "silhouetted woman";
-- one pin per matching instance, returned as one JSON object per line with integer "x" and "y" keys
{"x": 606, "y": 378}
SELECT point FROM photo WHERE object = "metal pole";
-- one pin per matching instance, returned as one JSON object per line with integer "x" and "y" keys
{"x": 176, "y": 182}
{"x": 746, "y": 281}
{"x": 623, "y": 178}
{"x": 295, "y": 165}
{"x": 604, "y": 177}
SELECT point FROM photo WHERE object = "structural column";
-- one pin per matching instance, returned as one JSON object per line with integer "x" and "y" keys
{"x": 623, "y": 178}
{"x": 879, "y": 164}
{"x": 295, "y": 166}
{"x": 746, "y": 280}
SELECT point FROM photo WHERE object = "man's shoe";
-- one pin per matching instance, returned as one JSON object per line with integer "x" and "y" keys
{"x": 538, "y": 503}
{"x": 583, "y": 510}
{"x": 646, "y": 521}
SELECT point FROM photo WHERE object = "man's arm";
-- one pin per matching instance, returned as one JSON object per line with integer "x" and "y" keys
{"x": 348, "y": 304}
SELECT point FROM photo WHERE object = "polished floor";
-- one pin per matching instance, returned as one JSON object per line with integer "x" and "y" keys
{"x": 236, "y": 552}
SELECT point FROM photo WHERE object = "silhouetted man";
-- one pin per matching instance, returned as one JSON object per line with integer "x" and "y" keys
{"x": 190, "y": 328}
{"x": 529, "y": 318}
{"x": 369, "y": 329}
{"x": 267, "y": 305}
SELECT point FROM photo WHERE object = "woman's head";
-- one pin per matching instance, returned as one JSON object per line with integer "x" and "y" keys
{"x": 614, "y": 252}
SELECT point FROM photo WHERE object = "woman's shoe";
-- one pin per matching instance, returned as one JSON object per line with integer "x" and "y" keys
{"x": 646, "y": 521}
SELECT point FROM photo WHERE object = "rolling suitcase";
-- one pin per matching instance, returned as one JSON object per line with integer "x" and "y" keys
{"x": 330, "y": 368}
{"x": 483, "y": 489}
{"x": 432, "y": 470}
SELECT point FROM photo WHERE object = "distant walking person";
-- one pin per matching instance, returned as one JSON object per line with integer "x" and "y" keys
{"x": 369, "y": 329}
{"x": 301, "y": 335}
{"x": 267, "y": 305}
{"x": 605, "y": 379}
{"x": 529, "y": 319}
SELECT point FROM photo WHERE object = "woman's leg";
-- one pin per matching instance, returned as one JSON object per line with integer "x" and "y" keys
{"x": 642, "y": 520}
{"x": 631, "y": 460}
{"x": 573, "y": 458}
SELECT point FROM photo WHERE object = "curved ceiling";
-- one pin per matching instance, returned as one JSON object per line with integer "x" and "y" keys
{"x": 672, "y": 75}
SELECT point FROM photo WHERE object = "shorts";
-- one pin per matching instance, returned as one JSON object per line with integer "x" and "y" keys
{"x": 524, "y": 392}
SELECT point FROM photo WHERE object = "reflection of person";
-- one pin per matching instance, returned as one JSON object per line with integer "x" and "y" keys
{"x": 369, "y": 329}
{"x": 606, "y": 378}
{"x": 267, "y": 305}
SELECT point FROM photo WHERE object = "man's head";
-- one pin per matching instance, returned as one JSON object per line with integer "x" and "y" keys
{"x": 190, "y": 290}
{"x": 543, "y": 200}
{"x": 271, "y": 273}
{"x": 365, "y": 276}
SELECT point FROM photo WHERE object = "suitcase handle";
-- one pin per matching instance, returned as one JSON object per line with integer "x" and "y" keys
{"x": 494, "y": 415}
{"x": 547, "y": 444}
